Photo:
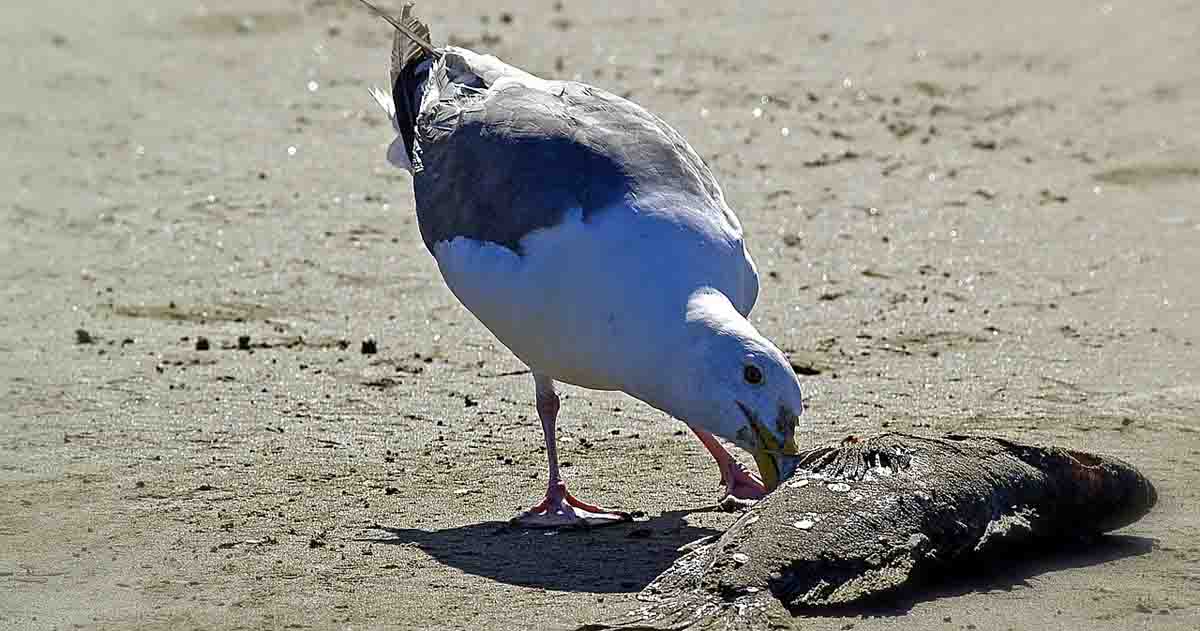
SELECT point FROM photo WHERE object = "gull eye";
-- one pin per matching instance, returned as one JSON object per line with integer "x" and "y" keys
{"x": 752, "y": 375}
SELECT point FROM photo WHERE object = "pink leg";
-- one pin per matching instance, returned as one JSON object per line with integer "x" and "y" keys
{"x": 742, "y": 487}
{"x": 559, "y": 508}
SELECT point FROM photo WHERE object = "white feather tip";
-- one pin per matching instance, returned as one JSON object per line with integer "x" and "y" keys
{"x": 385, "y": 103}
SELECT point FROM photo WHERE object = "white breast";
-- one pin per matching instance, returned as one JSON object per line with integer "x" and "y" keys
{"x": 594, "y": 303}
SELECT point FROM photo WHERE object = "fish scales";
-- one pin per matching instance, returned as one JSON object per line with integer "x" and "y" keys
{"x": 862, "y": 519}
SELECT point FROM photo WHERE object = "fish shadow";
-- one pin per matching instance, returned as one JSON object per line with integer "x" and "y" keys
{"x": 995, "y": 573}
{"x": 614, "y": 559}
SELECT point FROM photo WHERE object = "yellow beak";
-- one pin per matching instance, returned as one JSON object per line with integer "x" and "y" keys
{"x": 768, "y": 469}
{"x": 770, "y": 456}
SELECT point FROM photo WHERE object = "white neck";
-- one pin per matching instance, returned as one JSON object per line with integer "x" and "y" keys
{"x": 671, "y": 383}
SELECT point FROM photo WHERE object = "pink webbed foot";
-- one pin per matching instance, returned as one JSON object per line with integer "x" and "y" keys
{"x": 742, "y": 487}
{"x": 560, "y": 509}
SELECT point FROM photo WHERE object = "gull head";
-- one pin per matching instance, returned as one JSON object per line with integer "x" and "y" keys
{"x": 734, "y": 383}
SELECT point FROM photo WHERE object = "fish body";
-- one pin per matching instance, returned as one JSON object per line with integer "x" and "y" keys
{"x": 860, "y": 520}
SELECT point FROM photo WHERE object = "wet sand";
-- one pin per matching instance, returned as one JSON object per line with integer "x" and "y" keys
{"x": 965, "y": 217}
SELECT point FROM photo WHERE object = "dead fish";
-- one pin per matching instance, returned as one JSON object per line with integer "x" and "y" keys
{"x": 867, "y": 517}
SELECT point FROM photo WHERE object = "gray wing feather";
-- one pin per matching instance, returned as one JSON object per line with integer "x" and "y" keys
{"x": 501, "y": 153}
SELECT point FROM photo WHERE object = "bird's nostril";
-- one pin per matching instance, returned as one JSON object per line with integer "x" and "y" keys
{"x": 786, "y": 420}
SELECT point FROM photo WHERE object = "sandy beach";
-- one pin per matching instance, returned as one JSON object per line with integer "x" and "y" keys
{"x": 967, "y": 217}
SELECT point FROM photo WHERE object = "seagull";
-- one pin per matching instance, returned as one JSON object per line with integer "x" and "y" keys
{"x": 594, "y": 243}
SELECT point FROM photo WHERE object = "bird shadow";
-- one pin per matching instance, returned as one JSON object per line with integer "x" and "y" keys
{"x": 997, "y": 574}
{"x": 618, "y": 558}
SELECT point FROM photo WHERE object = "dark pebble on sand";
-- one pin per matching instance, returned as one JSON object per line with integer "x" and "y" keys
{"x": 369, "y": 347}
{"x": 202, "y": 343}
{"x": 807, "y": 370}
{"x": 391, "y": 490}
{"x": 1049, "y": 196}
{"x": 83, "y": 337}
{"x": 243, "y": 342}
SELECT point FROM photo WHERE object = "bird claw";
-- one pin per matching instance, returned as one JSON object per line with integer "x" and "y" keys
{"x": 732, "y": 504}
{"x": 743, "y": 489}
{"x": 560, "y": 509}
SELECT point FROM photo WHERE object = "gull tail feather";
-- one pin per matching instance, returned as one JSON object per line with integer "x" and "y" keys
{"x": 409, "y": 26}
{"x": 411, "y": 52}
{"x": 397, "y": 153}
{"x": 386, "y": 104}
